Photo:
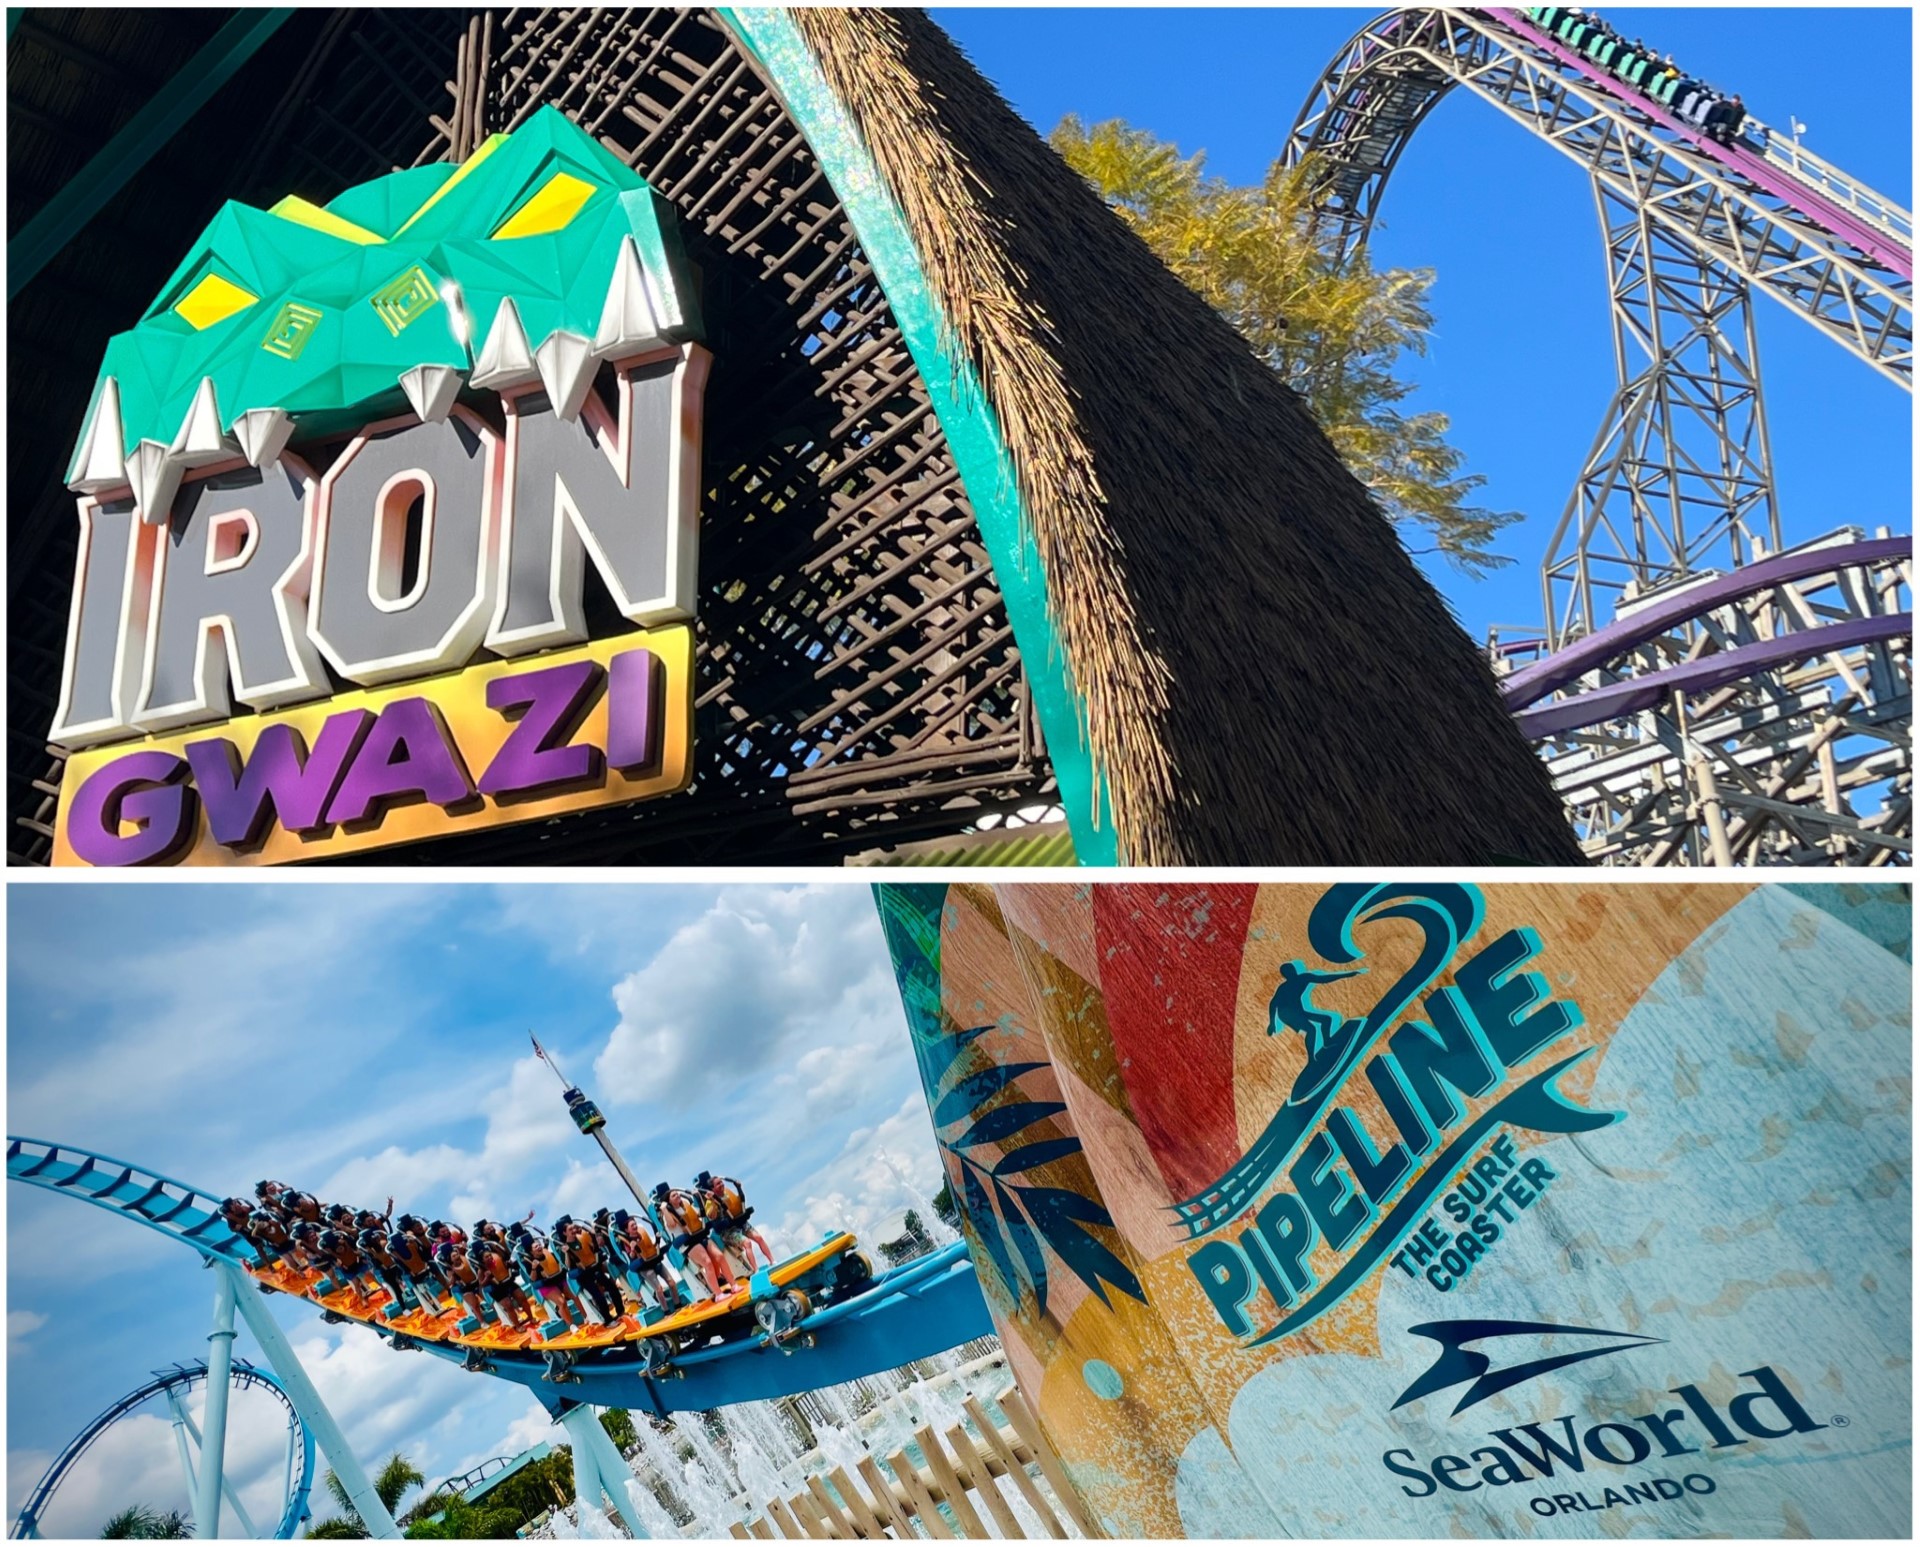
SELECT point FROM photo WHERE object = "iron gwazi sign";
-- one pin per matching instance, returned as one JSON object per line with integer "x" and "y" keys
{"x": 491, "y": 374}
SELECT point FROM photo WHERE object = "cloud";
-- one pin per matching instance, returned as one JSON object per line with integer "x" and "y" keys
{"x": 880, "y": 1173}
{"x": 21, "y": 1325}
{"x": 731, "y": 994}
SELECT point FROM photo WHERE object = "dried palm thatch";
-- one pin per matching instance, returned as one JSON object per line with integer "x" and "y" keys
{"x": 1267, "y": 677}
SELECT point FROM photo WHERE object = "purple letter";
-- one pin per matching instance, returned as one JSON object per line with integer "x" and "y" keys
{"x": 406, "y": 753}
{"x": 143, "y": 787}
{"x": 635, "y": 682}
{"x": 554, "y": 699}
{"x": 279, "y": 778}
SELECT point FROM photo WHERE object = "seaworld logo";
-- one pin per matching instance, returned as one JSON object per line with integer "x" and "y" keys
{"x": 1344, "y": 1188}
{"x": 1563, "y": 1448}
{"x": 1459, "y": 1364}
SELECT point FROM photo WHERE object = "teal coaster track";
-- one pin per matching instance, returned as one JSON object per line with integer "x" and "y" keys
{"x": 178, "y": 1381}
{"x": 912, "y": 1312}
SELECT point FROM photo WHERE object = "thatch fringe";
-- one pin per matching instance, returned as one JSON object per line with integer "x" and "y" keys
{"x": 1268, "y": 677}
{"x": 989, "y": 304}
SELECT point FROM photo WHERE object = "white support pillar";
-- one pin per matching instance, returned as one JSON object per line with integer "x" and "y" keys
{"x": 587, "y": 1489}
{"x": 377, "y": 1518}
{"x": 610, "y": 1472}
{"x": 180, "y": 1439}
{"x": 226, "y": 1482}
{"x": 213, "y": 1449}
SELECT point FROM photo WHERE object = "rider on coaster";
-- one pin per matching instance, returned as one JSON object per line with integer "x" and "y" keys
{"x": 295, "y": 1205}
{"x": 687, "y": 1218}
{"x": 460, "y": 1275}
{"x": 496, "y": 1270}
{"x": 410, "y": 1249}
{"x": 267, "y": 1230}
{"x": 590, "y": 1269}
{"x": 548, "y": 1274}
{"x": 730, "y": 1212}
{"x": 645, "y": 1253}
{"x": 375, "y": 1246}
{"x": 336, "y": 1247}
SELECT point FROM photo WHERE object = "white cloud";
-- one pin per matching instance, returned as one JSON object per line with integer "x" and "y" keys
{"x": 21, "y": 1325}
{"x": 732, "y": 992}
{"x": 880, "y": 1173}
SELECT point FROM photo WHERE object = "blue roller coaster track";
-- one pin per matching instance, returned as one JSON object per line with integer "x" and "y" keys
{"x": 179, "y": 1380}
{"x": 912, "y": 1312}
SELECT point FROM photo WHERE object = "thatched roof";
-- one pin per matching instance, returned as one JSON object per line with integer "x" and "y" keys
{"x": 1267, "y": 677}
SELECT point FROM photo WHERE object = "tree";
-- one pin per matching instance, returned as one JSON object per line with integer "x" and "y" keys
{"x": 943, "y": 1205}
{"x": 1335, "y": 329}
{"x": 618, "y": 1423}
{"x": 464, "y": 1522}
{"x": 391, "y": 1484}
{"x": 143, "y": 1523}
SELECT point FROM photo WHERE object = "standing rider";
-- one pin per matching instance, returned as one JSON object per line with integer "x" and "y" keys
{"x": 645, "y": 1251}
{"x": 732, "y": 1216}
{"x": 687, "y": 1219}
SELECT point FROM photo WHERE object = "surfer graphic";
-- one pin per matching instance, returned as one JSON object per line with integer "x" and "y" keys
{"x": 1328, "y": 1034}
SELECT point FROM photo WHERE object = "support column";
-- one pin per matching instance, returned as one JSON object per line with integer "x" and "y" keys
{"x": 180, "y": 1439}
{"x": 611, "y": 1474}
{"x": 377, "y": 1518}
{"x": 213, "y": 1449}
{"x": 226, "y": 1483}
{"x": 587, "y": 1487}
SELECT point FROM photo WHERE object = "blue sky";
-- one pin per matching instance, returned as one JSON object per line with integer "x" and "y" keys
{"x": 1521, "y": 356}
{"x": 362, "y": 1039}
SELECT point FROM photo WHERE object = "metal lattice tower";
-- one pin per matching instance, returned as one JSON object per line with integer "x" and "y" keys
{"x": 1763, "y": 723}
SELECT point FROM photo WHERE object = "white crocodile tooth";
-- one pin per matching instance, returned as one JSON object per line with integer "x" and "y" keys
{"x": 507, "y": 358}
{"x": 627, "y": 322}
{"x": 566, "y": 363}
{"x": 154, "y": 471}
{"x": 201, "y": 440}
{"x": 263, "y": 434}
{"x": 431, "y": 389}
{"x": 99, "y": 463}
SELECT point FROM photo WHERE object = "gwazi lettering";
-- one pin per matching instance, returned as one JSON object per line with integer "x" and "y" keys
{"x": 144, "y": 807}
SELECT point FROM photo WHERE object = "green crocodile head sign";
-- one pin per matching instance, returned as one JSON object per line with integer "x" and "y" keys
{"x": 217, "y": 564}
{"x": 536, "y": 256}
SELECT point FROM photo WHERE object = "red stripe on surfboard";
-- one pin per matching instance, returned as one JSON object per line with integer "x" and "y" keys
{"x": 1170, "y": 972}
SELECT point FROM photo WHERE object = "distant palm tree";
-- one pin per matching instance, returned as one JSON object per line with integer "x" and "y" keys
{"x": 141, "y": 1522}
{"x": 391, "y": 1484}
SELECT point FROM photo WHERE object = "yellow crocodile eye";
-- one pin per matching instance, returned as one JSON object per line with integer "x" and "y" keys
{"x": 212, "y": 300}
{"x": 557, "y": 202}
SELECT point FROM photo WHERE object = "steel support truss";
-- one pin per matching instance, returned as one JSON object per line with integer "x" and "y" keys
{"x": 1804, "y": 760}
{"x": 1758, "y": 716}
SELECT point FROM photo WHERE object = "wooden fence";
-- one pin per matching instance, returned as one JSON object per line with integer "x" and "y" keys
{"x": 966, "y": 1476}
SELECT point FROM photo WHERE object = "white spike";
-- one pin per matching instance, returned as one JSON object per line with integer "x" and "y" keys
{"x": 566, "y": 370}
{"x": 201, "y": 439}
{"x": 627, "y": 323}
{"x": 507, "y": 359}
{"x": 263, "y": 434}
{"x": 99, "y": 464}
{"x": 154, "y": 471}
{"x": 431, "y": 389}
